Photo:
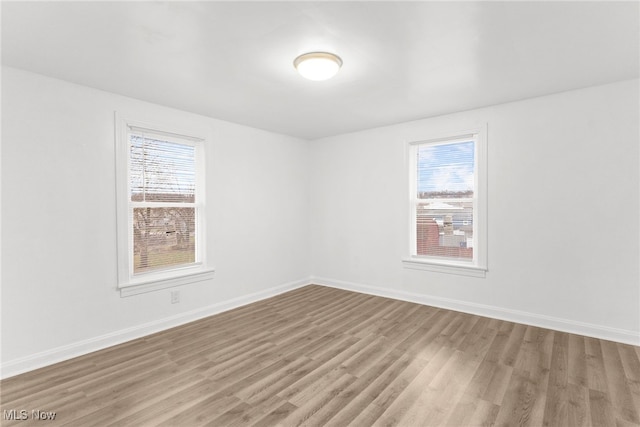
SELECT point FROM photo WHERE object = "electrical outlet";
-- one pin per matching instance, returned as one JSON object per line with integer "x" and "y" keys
{"x": 175, "y": 297}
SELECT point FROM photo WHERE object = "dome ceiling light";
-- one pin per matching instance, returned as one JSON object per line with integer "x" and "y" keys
{"x": 317, "y": 65}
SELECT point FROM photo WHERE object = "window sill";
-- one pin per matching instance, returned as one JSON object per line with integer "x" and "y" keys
{"x": 158, "y": 284}
{"x": 443, "y": 267}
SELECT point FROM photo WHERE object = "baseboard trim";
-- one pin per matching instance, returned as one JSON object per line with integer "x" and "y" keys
{"x": 533, "y": 319}
{"x": 59, "y": 354}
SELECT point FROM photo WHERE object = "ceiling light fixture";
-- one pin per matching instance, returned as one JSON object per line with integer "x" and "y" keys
{"x": 317, "y": 65}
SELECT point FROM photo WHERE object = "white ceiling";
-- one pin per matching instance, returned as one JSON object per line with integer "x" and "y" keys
{"x": 402, "y": 60}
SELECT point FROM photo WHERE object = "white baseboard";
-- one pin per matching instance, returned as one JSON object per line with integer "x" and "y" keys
{"x": 533, "y": 319}
{"x": 59, "y": 354}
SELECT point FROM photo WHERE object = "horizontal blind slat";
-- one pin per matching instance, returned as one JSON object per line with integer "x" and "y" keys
{"x": 161, "y": 170}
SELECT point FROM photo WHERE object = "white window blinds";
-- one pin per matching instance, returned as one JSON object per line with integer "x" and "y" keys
{"x": 444, "y": 199}
{"x": 161, "y": 170}
{"x": 163, "y": 204}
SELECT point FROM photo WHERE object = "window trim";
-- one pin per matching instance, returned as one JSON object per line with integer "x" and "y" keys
{"x": 132, "y": 284}
{"x": 479, "y": 265}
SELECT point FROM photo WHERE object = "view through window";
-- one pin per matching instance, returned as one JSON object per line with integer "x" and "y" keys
{"x": 444, "y": 199}
{"x": 162, "y": 183}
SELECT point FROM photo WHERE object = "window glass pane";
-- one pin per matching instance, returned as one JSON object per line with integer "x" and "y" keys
{"x": 161, "y": 171}
{"x": 445, "y": 190}
{"x": 445, "y": 229}
{"x": 163, "y": 237}
{"x": 445, "y": 170}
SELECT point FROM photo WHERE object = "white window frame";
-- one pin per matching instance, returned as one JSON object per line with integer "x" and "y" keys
{"x": 128, "y": 282}
{"x": 478, "y": 266}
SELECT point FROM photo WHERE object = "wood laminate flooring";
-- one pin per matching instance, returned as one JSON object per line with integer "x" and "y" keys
{"x": 322, "y": 356}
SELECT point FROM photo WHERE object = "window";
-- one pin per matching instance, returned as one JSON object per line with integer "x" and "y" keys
{"x": 448, "y": 204}
{"x": 161, "y": 237}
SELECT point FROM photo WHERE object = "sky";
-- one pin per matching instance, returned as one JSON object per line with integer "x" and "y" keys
{"x": 446, "y": 167}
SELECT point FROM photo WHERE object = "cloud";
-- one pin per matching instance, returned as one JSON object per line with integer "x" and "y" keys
{"x": 446, "y": 167}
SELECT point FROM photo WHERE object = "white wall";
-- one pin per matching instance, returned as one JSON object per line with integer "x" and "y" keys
{"x": 59, "y": 294}
{"x": 565, "y": 165}
{"x": 563, "y": 213}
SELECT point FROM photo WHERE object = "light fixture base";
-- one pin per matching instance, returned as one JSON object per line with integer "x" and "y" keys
{"x": 318, "y": 65}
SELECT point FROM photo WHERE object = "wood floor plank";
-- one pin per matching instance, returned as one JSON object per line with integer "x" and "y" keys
{"x": 555, "y": 411}
{"x": 277, "y": 416}
{"x": 373, "y": 349}
{"x": 518, "y": 407}
{"x": 406, "y": 399}
{"x": 368, "y": 394}
{"x": 204, "y": 412}
{"x": 471, "y": 411}
{"x": 577, "y": 358}
{"x": 596, "y": 374}
{"x": 390, "y": 390}
{"x": 467, "y": 323}
{"x": 284, "y": 384}
{"x": 600, "y": 409}
{"x": 478, "y": 385}
{"x": 438, "y": 400}
{"x": 513, "y": 345}
{"x": 630, "y": 361}
{"x": 321, "y": 356}
{"x": 535, "y": 353}
{"x": 497, "y": 385}
{"x": 175, "y": 405}
{"x": 378, "y": 320}
{"x": 329, "y": 361}
{"x": 248, "y": 414}
{"x": 308, "y": 408}
{"x": 500, "y": 342}
{"x": 620, "y": 394}
{"x": 631, "y": 365}
{"x": 126, "y": 404}
{"x": 578, "y": 406}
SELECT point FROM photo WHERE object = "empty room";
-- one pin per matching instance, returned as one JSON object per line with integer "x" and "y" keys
{"x": 320, "y": 213}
